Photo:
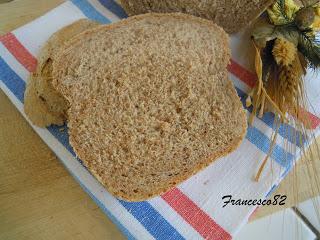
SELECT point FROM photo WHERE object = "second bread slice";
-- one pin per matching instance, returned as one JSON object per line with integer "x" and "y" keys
{"x": 232, "y": 15}
{"x": 43, "y": 104}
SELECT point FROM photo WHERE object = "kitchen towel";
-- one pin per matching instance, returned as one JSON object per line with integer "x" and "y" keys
{"x": 193, "y": 209}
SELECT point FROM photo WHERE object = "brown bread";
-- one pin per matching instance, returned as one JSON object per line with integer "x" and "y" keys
{"x": 151, "y": 101}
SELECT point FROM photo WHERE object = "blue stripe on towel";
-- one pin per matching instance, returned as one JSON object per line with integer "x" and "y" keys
{"x": 273, "y": 188}
{"x": 262, "y": 142}
{"x": 12, "y": 80}
{"x": 90, "y": 12}
{"x": 285, "y": 130}
{"x": 288, "y": 169}
{"x": 151, "y": 220}
{"x": 114, "y": 7}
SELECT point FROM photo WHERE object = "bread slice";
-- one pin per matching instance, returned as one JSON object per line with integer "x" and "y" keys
{"x": 43, "y": 104}
{"x": 151, "y": 101}
{"x": 232, "y": 15}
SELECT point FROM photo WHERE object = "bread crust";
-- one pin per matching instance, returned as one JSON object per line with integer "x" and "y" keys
{"x": 232, "y": 15}
{"x": 36, "y": 109}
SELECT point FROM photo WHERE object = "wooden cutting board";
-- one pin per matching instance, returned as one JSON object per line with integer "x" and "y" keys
{"x": 38, "y": 197}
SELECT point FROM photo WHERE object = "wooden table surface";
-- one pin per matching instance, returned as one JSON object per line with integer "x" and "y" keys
{"x": 38, "y": 198}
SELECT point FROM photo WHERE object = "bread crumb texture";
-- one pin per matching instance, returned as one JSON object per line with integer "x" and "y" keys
{"x": 151, "y": 102}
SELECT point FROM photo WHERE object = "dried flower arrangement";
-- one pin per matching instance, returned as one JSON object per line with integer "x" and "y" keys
{"x": 286, "y": 45}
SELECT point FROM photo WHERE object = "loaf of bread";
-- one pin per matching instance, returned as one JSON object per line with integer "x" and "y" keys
{"x": 43, "y": 104}
{"x": 151, "y": 103}
{"x": 232, "y": 15}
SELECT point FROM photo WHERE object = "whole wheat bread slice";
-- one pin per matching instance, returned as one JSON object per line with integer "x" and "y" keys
{"x": 151, "y": 102}
{"x": 43, "y": 104}
{"x": 232, "y": 15}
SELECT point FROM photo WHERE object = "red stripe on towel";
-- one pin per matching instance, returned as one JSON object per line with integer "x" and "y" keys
{"x": 314, "y": 120}
{"x": 19, "y": 51}
{"x": 243, "y": 74}
{"x": 250, "y": 78}
{"x": 195, "y": 216}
